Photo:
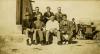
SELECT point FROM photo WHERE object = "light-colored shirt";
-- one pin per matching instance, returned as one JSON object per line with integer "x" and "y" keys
{"x": 38, "y": 24}
{"x": 50, "y": 25}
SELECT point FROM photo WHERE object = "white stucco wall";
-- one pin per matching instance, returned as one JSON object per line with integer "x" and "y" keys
{"x": 7, "y": 16}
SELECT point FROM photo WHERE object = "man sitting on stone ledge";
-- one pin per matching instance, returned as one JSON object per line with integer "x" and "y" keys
{"x": 64, "y": 28}
{"x": 38, "y": 27}
{"x": 52, "y": 26}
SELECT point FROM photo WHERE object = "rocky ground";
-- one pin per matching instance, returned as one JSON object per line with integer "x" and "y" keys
{"x": 9, "y": 45}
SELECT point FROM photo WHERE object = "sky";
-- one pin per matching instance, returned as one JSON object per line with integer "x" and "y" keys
{"x": 82, "y": 11}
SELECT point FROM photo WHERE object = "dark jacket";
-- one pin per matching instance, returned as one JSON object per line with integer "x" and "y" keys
{"x": 47, "y": 16}
{"x": 25, "y": 23}
{"x": 58, "y": 17}
{"x": 73, "y": 25}
{"x": 35, "y": 15}
{"x": 65, "y": 26}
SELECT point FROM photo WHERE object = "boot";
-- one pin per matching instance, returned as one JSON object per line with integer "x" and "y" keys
{"x": 34, "y": 42}
{"x": 59, "y": 43}
{"x": 41, "y": 42}
{"x": 47, "y": 42}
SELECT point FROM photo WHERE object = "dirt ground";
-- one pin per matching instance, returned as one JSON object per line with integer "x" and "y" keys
{"x": 79, "y": 47}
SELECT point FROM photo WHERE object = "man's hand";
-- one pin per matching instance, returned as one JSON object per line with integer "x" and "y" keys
{"x": 31, "y": 30}
{"x": 37, "y": 29}
{"x": 47, "y": 18}
{"x": 28, "y": 29}
{"x": 62, "y": 32}
{"x": 51, "y": 30}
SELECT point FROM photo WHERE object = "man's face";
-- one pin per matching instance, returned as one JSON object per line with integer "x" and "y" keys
{"x": 64, "y": 17}
{"x": 48, "y": 9}
{"x": 37, "y": 9}
{"x": 52, "y": 18}
{"x": 59, "y": 9}
{"x": 73, "y": 19}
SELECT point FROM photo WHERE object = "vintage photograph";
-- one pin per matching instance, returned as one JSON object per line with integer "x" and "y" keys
{"x": 49, "y": 27}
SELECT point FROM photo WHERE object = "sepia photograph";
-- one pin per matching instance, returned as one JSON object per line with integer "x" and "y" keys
{"x": 49, "y": 26}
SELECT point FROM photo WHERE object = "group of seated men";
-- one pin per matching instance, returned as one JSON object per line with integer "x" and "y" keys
{"x": 48, "y": 25}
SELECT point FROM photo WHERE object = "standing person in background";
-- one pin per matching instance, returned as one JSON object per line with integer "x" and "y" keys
{"x": 94, "y": 31}
{"x": 38, "y": 27}
{"x": 37, "y": 12}
{"x": 52, "y": 26}
{"x": 59, "y": 14}
{"x": 73, "y": 27}
{"x": 93, "y": 27}
{"x": 79, "y": 31}
{"x": 47, "y": 14}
